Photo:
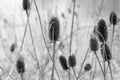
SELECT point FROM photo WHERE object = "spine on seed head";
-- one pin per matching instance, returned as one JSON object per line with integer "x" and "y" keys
{"x": 72, "y": 61}
{"x": 63, "y": 62}
{"x": 102, "y": 31}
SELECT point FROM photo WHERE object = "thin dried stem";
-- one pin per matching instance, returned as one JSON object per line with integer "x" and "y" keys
{"x": 83, "y": 64}
{"x": 33, "y": 45}
{"x": 100, "y": 64}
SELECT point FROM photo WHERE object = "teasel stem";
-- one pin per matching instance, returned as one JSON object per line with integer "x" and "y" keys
{"x": 71, "y": 34}
{"x": 110, "y": 69}
{"x": 54, "y": 43}
{"x": 104, "y": 68}
{"x": 93, "y": 58}
{"x": 93, "y": 76}
{"x": 99, "y": 64}
{"x": 34, "y": 49}
{"x": 100, "y": 9}
{"x": 74, "y": 73}
{"x": 112, "y": 37}
{"x": 44, "y": 37}
{"x": 22, "y": 77}
{"x": 83, "y": 63}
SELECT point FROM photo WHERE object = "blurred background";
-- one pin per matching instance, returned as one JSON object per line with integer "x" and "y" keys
{"x": 12, "y": 26}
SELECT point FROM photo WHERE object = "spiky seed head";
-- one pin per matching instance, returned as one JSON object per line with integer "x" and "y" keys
{"x": 93, "y": 44}
{"x": 102, "y": 31}
{"x": 105, "y": 52}
{"x": 12, "y": 48}
{"x": 113, "y": 18}
{"x": 26, "y": 4}
{"x": 54, "y": 29}
{"x": 63, "y": 62}
{"x": 20, "y": 65}
{"x": 87, "y": 67}
{"x": 72, "y": 61}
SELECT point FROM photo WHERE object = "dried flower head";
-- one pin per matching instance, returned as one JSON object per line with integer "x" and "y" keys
{"x": 87, "y": 67}
{"x": 72, "y": 61}
{"x": 63, "y": 62}
{"x": 26, "y": 4}
{"x": 20, "y": 65}
{"x": 54, "y": 29}
{"x": 93, "y": 44}
{"x": 113, "y": 18}
{"x": 12, "y": 48}
{"x": 102, "y": 31}
{"x": 105, "y": 52}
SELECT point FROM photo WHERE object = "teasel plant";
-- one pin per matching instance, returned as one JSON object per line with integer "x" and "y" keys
{"x": 44, "y": 40}
{"x": 94, "y": 46}
{"x": 107, "y": 56}
{"x": 72, "y": 63}
{"x": 54, "y": 32}
{"x": 82, "y": 65}
{"x": 20, "y": 66}
{"x": 71, "y": 35}
{"x": 113, "y": 22}
{"x": 87, "y": 68}
{"x": 24, "y": 35}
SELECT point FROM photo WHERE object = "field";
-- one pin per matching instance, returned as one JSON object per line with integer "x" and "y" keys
{"x": 36, "y": 48}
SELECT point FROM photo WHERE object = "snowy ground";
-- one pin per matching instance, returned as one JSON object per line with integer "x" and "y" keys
{"x": 12, "y": 24}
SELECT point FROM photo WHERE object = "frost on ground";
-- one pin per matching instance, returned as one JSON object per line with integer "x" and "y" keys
{"x": 12, "y": 25}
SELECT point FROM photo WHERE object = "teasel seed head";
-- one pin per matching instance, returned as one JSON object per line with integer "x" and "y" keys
{"x": 63, "y": 62}
{"x": 26, "y": 5}
{"x": 93, "y": 44}
{"x": 54, "y": 29}
{"x": 102, "y": 31}
{"x": 105, "y": 52}
{"x": 113, "y": 18}
{"x": 20, "y": 65}
{"x": 12, "y": 48}
{"x": 87, "y": 67}
{"x": 72, "y": 60}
